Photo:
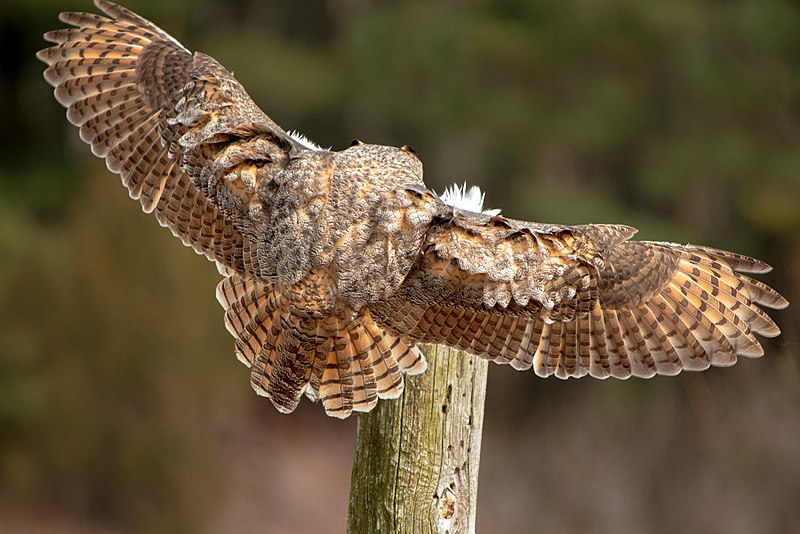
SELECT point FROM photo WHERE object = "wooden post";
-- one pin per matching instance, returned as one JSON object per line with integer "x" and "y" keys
{"x": 417, "y": 457}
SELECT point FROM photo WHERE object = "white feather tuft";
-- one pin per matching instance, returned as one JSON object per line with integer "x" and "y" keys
{"x": 305, "y": 141}
{"x": 470, "y": 199}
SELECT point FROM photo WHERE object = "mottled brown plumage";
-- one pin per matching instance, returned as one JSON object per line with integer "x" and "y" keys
{"x": 337, "y": 263}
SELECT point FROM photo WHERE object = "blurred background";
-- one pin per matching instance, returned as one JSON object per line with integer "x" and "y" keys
{"x": 122, "y": 406}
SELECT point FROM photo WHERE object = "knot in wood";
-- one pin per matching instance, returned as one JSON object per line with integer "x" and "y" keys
{"x": 447, "y": 504}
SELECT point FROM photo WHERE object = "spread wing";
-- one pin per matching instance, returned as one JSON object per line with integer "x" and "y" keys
{"x": 572, "y": 300}
{"x": 182, "y": 133}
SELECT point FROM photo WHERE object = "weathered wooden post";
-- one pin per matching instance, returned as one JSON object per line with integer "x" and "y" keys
{"x": 416, "y": 463}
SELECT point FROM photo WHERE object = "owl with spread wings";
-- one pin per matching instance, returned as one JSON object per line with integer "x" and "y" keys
{"x": 336, "y": 264}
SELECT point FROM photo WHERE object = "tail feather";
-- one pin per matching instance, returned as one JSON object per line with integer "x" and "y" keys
{"x": 347, "y": 365}
{"x": 409, "y": 357}
{"x": 365, "y": 388}
{"x": 336, "y": 388}
{"x": 283, "y": 367}
{"x": 250, "y": 311}
{"x": 388, "y": 377}
{"x": 318, "y": 368}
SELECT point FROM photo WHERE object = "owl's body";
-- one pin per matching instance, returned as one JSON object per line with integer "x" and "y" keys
{"x": 337, "y": 263}
{"x": 337, "y": 234}
{"x": 343, "y": 214}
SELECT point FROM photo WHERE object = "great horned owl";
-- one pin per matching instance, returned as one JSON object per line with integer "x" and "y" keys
{"x": 337, "y": 263}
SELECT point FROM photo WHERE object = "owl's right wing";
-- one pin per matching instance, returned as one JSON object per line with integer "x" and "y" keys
{"x": 576, "y": 300}
{"x": 183, "y": 134}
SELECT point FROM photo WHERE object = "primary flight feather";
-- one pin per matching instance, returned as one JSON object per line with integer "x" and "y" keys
{"x": 337, "y": 263}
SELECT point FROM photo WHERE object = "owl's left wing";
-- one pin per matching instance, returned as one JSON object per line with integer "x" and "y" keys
{"x": 183, "y": 134}
{"x": 572, "y": 300}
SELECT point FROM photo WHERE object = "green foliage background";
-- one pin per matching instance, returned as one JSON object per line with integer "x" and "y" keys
{"x": 121, "y": 404}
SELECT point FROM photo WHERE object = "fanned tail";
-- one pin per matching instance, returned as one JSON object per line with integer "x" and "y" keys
{"x": 347, "y": 365}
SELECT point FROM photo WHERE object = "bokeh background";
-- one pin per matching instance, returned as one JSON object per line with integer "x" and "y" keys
{"x": 122, "y": 406}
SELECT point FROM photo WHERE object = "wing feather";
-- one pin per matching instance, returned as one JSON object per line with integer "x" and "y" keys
{"x": 580, "y": 300}
{"x": 135, "y": 93}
